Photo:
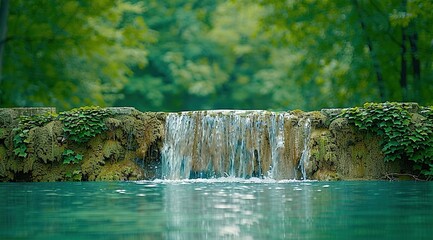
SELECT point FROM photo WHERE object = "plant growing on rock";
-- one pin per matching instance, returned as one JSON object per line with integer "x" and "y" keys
{"x": 69, "y": 156}
{"x": 404, "y": 135}
{"x": 26, "y": 123}
{"x": 82, "y": 124}
{"x": 74, "y": 176}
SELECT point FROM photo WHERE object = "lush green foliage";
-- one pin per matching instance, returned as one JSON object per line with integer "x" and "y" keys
{"x": 69, "y": 156}
{"x": 194, "y": 54}
{"x": 427, "y": 112}
{"x": 280, "y": 55}
{"x": 75, "y": 175}
{"x": 82, "y": 124}
{"x": 210, "y": 54}
{"x": 404, "y": 135}
{"x": 71, "y": 53}
{"x": 351, "y": 51}
{"x": 26, "y": 123}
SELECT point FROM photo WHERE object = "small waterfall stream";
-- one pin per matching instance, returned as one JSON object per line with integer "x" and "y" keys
{"x": 303, "y": 163}
{"x": 233, "y": 143}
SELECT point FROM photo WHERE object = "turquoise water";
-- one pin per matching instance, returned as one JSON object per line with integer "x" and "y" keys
{"x": 214, "y": 209}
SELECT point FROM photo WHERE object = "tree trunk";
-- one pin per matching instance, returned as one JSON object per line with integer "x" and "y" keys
{"x": 4, "y": 6}
{"x": 403, "y": 67}
{"x": 416, "y": 63}
{"x": 376, "y": 65}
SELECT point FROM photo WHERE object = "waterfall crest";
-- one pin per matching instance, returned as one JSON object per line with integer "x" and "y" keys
{"x": 233, "y": 143}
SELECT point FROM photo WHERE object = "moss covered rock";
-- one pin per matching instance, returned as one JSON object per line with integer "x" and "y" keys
{"x": 120, "y": 171}
{"x": 44, "y": 142}
{"x": 358, "y": 154}
{"x": 130, "y": 149}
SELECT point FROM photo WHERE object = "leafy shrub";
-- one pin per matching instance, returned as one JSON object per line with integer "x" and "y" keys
{"x": 69, "y": 156}
{"x": 26, "y": 123}
{"x": 82, "y": 124}
{"x": 75, "y": 175}
{"x": 427, "y": 112}
{"x": 403, "y": 137}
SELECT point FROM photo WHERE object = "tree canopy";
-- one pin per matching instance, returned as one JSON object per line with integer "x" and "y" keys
{"x": 359, "y": 50}
{"x": 71, "y": 53}
{"x": 193, "y": 54}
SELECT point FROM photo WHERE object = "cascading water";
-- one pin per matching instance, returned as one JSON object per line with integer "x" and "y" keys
{"x": 229, "y": 143}
{"x": 303, "y": 163}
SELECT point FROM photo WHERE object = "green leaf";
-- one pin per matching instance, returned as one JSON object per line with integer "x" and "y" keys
{"x": 22, "y": 153}
{"x": 68, "y": 152}
{"x": 66, "y": 161}
{"x": 414, "y": 139}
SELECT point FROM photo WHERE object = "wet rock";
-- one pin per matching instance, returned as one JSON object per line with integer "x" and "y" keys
{"x": 112, "y": 150}
{"x": 120, "y": 171}
{"x": 131, "y": 147}
{"x": 326, "y": 175}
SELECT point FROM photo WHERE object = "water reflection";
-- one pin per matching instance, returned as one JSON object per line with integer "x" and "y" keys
{"x": 215, "y": 209}
{"x": 231, "y": 210}
{"x": 216, "y": 212}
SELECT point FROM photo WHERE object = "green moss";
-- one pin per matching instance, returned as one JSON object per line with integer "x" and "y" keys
{"x": 28, "y": 163}
{"x": 120, "y": 171}
{"x": 74, "y": 175}
{"x": 43, "y": 145}
{"x": 318, "y": 120}
{"x": 323, "y": 142}
{"x": 93, "y": 159}
{"x": 113, "y": 150}
{"x": 8, "y": 118}
{"x": 91, "y": 166}
{"x": 358, "y": 153}
{"x": 51, "y": 172}
{"x": 326, "y": 175}
{"x": 2, "y": 161}
{"x": 405, "y": 135}
{"x": 14, "y": 165}
{"x": 126, "y": 138}
{"x": 4, "y": 132}
{"x": 114, "y": 130}
{"x": 44, "y": 142}
{"x": 297, "y": 112}
{"x": 141, "y": 131}
{"x": 323, "y": 151}
{"x": 112, "y": 123}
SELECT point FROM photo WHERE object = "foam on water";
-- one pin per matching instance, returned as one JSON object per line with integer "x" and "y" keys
{"x": 223, "y": 180}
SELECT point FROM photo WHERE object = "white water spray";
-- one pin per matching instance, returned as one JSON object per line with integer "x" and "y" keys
{"x": 230, "y": 143}
{"x": 305, "y": 157}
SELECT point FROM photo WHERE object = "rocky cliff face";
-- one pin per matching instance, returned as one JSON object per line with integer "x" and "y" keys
{"x": 127, "y": 150}
{"x": 340, "y": 151}
{"x": 135, "y": 145}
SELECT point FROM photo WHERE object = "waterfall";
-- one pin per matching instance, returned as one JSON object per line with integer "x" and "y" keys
{"x": 303, "y": 163}
{"x": 233, "y": 143}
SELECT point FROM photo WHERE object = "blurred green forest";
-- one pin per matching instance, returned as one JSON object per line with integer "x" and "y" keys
{"x": 210, "y": 54}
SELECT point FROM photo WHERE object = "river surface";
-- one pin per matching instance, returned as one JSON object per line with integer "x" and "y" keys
{"x": 217, "y": 209}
